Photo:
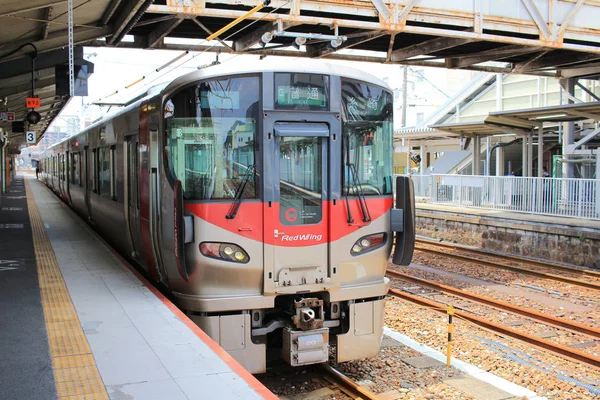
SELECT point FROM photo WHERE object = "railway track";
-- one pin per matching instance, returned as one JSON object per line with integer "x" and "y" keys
{"x": 558, "y": 349}
{"x": 586, "y": 272}
{"x": 521, "y": 270}
{"x": 502, "y": 305}
{"x": 346, "y": 385}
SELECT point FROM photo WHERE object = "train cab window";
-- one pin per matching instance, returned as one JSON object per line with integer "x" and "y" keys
{"x": 75, "y": 169}
{"x": 103, "y": 170}
{"x": 211, "y": 136}
{"x": 367, "y": 139}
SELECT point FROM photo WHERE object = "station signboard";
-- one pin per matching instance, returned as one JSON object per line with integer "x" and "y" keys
{"x": 7, "y": 116}
{"x": 33, "y": 102}
{"x": 30, "y": 136}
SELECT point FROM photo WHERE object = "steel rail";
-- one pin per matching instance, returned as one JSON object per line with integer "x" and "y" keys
{"x": 542, "y": 263}
{"x": 348, "y": 386}
{"x": 572, "y": 281}
{"x": 502, "y": 305}
{"x": 558, "y": 349}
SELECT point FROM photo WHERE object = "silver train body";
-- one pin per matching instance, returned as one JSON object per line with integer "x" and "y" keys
{"x": 259, "y": 197}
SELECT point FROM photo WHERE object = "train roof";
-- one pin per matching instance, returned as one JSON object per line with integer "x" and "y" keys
{"x": 294, "y": 65}
{"x": 232, "y": 68}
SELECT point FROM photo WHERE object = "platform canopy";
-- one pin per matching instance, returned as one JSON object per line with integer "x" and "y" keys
{"x": 470, "y": 129}
{"x": 543, "y": 37}
{"x": 533, "y": 117}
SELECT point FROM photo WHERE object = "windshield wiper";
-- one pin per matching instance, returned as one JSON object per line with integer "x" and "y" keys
{"x": 359, "y": 192}
{"x": 237, "y": 199}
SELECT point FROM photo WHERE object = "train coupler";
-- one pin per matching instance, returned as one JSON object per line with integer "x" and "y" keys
{"x": 309, "y": 314}
{"x": 305, "y": 347}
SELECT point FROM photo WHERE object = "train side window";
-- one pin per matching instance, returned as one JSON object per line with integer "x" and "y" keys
{"x": 93, "y": 170}
{"x": 62, "y": 167}
{"x": 75, "y": 169}
{"x": 113, "y": 172}
{"x": 103, "y": 171}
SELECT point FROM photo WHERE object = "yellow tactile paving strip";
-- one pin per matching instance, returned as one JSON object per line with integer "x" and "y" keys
{"x": 75, "y": 370}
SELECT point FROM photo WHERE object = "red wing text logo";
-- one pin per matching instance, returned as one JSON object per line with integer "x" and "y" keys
{"x": 291, "y": 214}
{"x": 307, "y": 236}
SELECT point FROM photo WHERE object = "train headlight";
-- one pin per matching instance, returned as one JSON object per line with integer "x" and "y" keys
{"x": 368, "y": 243}
{"x": 224, "y": 251}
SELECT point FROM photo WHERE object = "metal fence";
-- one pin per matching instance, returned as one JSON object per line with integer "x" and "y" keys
{"x": 578, "y": 198}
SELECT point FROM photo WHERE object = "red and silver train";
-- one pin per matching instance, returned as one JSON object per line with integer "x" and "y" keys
{"x": 260, "y": 196}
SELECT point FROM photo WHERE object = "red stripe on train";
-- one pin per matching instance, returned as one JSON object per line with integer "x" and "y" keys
{"x": 253, "y": 216}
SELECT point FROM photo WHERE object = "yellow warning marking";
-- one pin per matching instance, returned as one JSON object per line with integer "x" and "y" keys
{"x": 75, "y": 370}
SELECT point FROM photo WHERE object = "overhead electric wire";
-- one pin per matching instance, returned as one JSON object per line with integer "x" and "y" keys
{"x": 193, "y": 56}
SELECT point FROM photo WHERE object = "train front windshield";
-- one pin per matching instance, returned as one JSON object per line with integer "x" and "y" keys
{"x": 211, "y": 136}
{"x": 367, "y": 142}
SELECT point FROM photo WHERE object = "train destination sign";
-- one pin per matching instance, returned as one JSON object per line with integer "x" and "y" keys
{"x": 301, "y": 95}
{"x": 301, "y": 91}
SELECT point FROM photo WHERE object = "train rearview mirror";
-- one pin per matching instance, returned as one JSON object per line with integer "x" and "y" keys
{"x": 403, "y": 221}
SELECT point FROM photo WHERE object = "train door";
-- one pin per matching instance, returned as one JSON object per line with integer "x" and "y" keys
{"x": 87, "y": 178}
{"x": 132, "y": 205}
{"x": 300, "y": 223}
{"x": 149, "y": 196}
{"x": 68, "y": 176}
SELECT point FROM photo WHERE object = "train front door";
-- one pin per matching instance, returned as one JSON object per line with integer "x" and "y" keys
{"x": 298, "y": 222}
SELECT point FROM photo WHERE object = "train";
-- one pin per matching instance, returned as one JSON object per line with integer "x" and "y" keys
{"x": 260, "y": 196}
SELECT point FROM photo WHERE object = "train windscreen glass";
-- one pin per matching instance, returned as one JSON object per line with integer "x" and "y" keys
{"x": 367, "y": 129}
{"x": 211, "y": 132}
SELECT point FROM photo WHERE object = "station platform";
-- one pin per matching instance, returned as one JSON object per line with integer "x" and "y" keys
{"x": 78, "y": 322}
{"x": 567, "y": 240}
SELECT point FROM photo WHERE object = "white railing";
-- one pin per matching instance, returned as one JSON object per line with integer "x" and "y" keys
{"x": 421, "y": 183}
{"x": 577, "y": 198}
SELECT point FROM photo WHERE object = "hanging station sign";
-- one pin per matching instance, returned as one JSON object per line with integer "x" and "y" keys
{"x": 33, "y": 102}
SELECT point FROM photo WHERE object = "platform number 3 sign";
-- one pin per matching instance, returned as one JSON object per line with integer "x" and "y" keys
{"x": 30, "y": 137}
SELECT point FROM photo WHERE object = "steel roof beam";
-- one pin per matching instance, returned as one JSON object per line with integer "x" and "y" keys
{"x": 553, "y": 60}
{"x": 382, "y": 9}
{"x": 110, "y": 10}
{"x": 155, "y": 20}
{"x": 390, "y": 47}
{"x": 490, "y": 55}
{"x": 428, "y": 47}
{"x": 30, "y": 5}
{"x": 162, "y": 30}
{"x": 567, "y": 20}
{"x": 402, "y": 15}
{"x": 209, "y": 32}
{"x": 595, "y": 117}
{"x": 537, "y": 18}
{"x": 252, "y": 38}
{"x": 129, "y": 11}
{"x": 46, "y": 26}
{"x": 323, "y": 49}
